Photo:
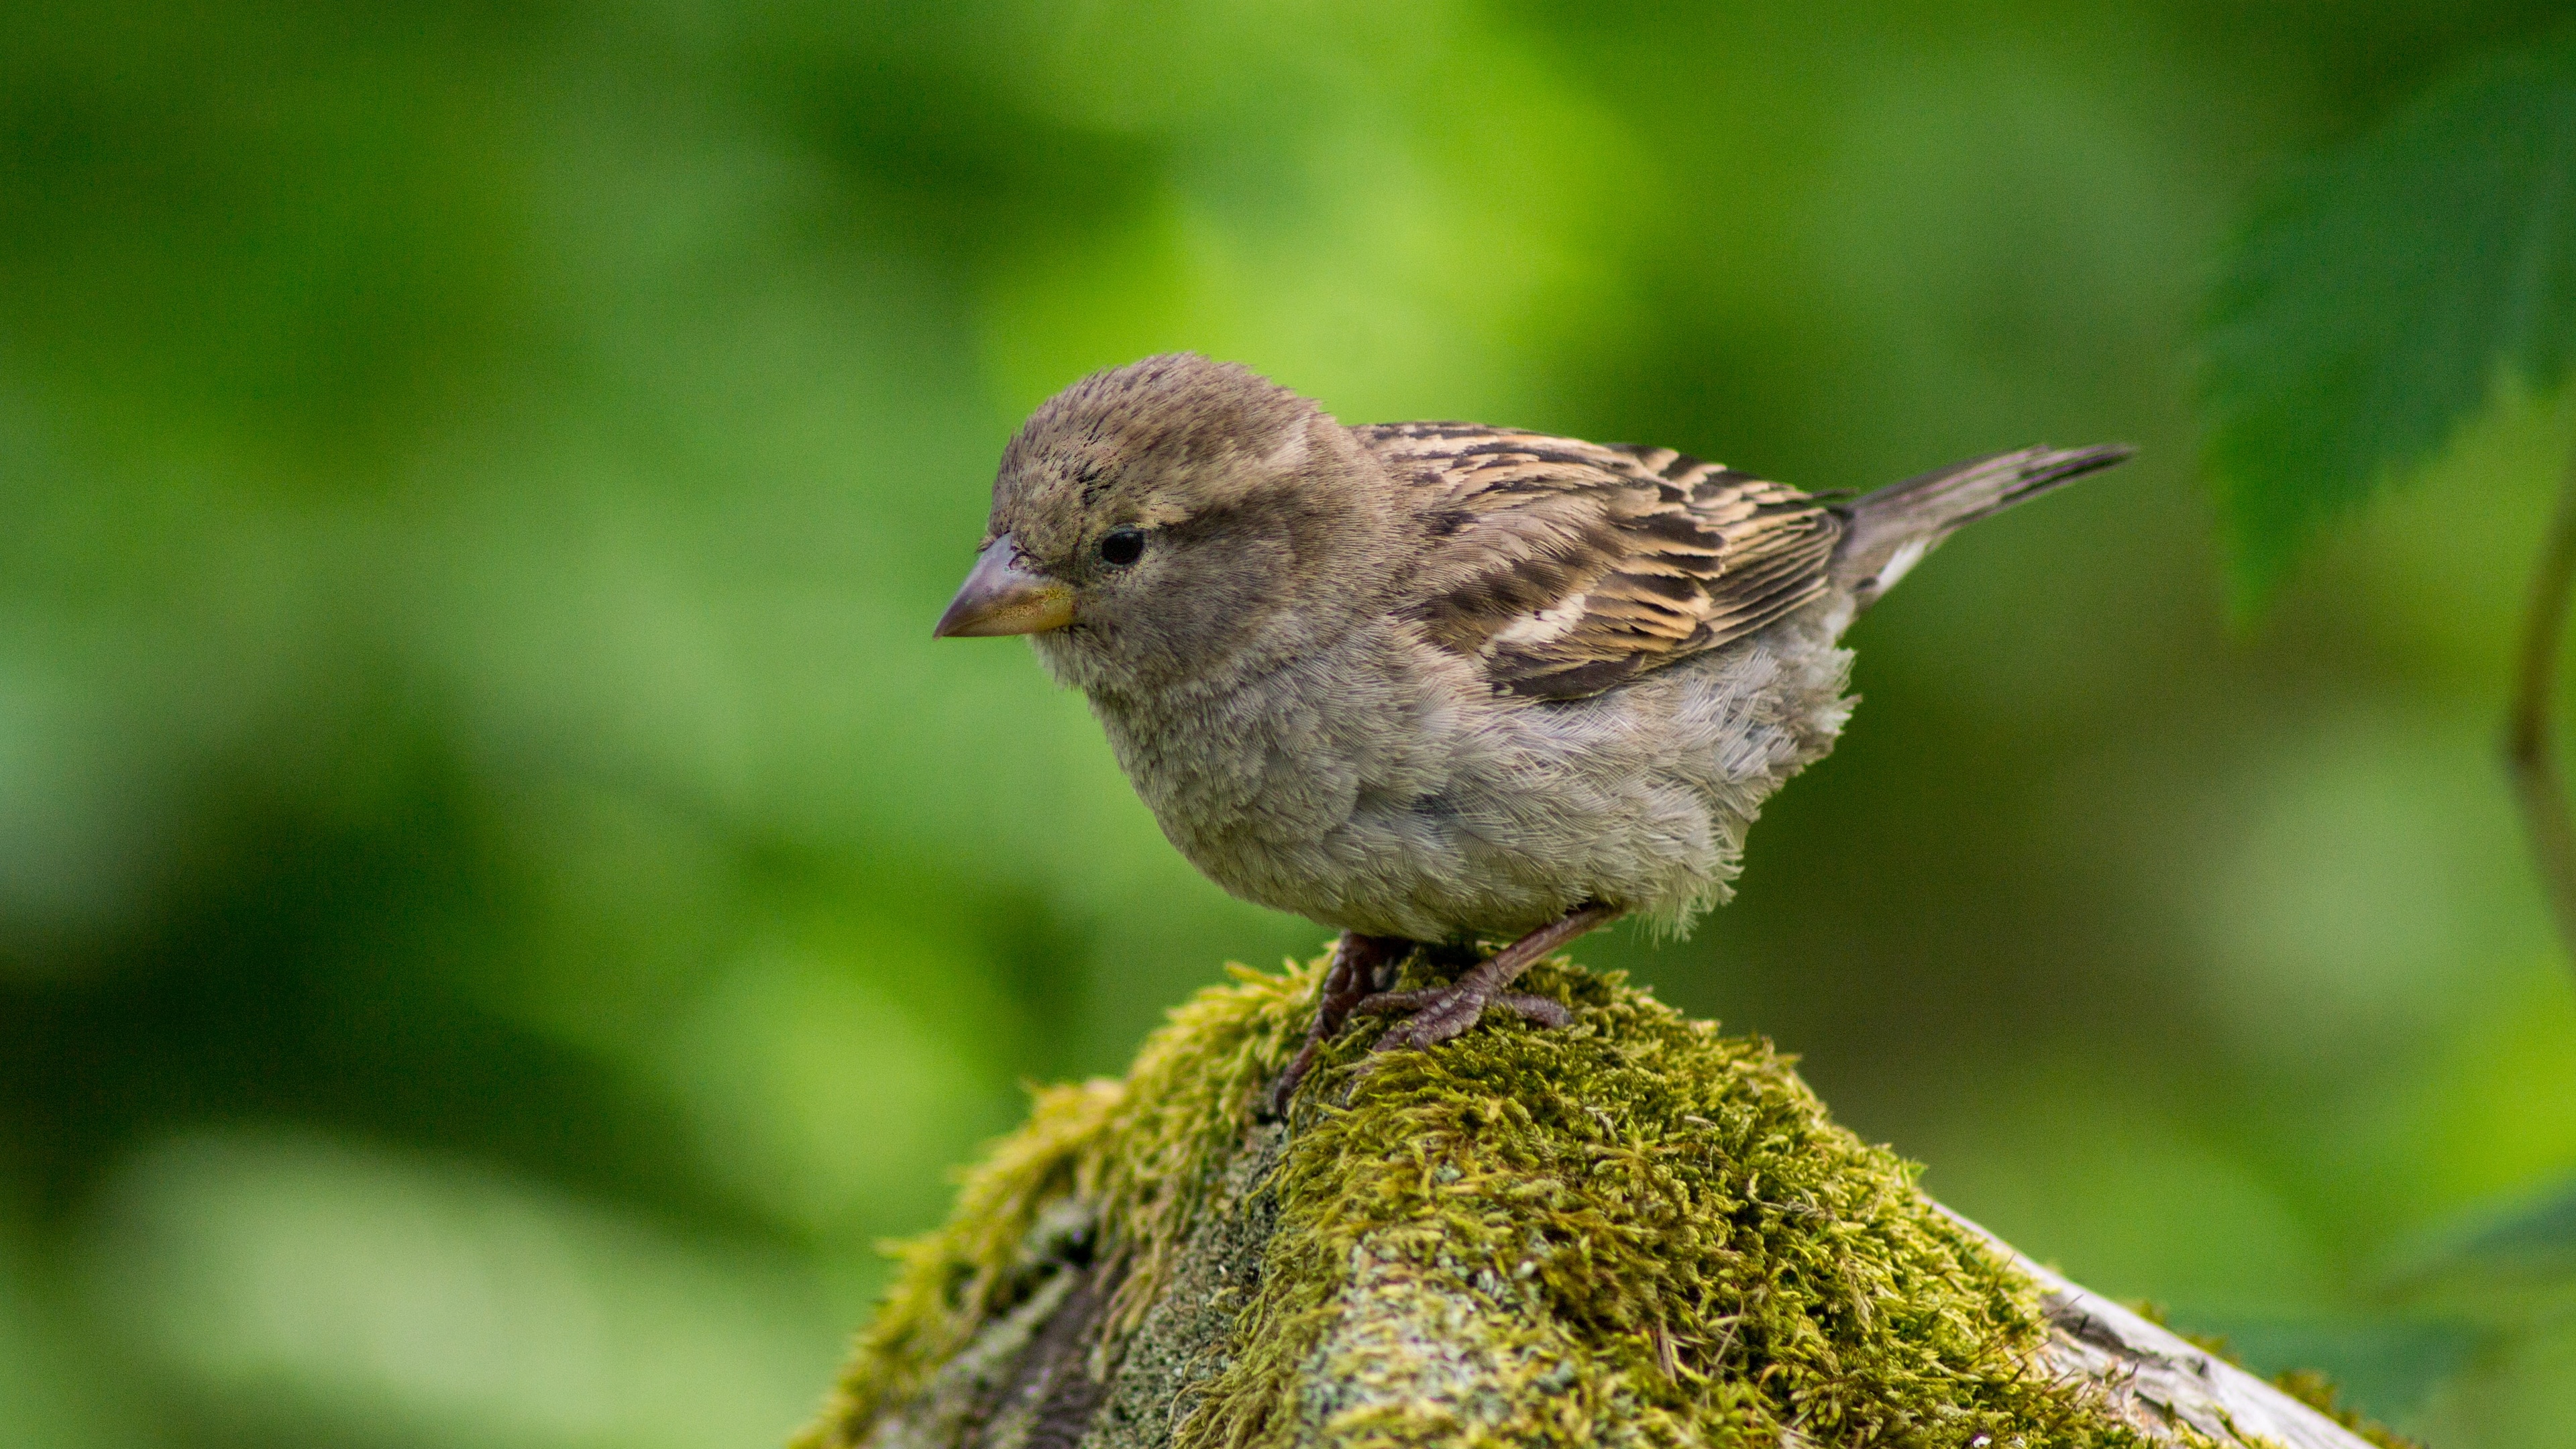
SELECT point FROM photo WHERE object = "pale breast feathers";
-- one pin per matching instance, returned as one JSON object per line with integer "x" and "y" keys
{"x": 1565, "y": 567}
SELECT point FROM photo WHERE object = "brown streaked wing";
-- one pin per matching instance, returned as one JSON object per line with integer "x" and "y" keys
{"x": 1567, "y": 567}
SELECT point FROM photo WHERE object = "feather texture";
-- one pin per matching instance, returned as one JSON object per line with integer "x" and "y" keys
{"x": 1566, "y": 567}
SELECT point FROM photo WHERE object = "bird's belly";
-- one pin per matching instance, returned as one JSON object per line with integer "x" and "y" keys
{"x": 1495, "y": 821}
{"x": 1490, "y": 854}
{"x": 1390, "y": 870}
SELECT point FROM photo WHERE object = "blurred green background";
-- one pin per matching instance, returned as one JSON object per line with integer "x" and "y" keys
{"x": 502, "y": 903}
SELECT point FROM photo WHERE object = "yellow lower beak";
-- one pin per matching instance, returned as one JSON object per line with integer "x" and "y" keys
{"x": 1000, "y": 597}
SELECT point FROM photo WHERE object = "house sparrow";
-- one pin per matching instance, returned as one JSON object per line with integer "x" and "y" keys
{"x": 1429, "y": 683}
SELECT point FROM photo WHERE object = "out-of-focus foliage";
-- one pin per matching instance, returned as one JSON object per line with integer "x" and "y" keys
{"x": 501, "y": 902}
{"x": 2378, "y": 302}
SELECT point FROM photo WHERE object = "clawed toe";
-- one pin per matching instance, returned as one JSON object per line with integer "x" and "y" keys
{"x": 1360, "y": 963}
{"x": 1428, "y": 1023}
{"x": 1536, "y": 1010}
{"x": 1399, "y": 1003}
{"x": 1438, "y": 1014}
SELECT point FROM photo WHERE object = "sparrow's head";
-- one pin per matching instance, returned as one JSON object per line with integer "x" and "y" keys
{"x": 1156, "y": 520}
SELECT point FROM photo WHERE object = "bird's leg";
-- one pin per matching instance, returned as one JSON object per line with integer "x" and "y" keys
{"x": 1435, "y": 1015}
{"x": 1358, "y": 962}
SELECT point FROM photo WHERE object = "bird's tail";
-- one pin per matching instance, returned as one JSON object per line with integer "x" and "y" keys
{"x": 1888, "y": 532}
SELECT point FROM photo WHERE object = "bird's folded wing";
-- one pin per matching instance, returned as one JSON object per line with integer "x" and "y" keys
{"x": 1566, "y": 567}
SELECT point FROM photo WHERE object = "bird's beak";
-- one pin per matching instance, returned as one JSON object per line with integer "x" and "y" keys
{"x": 1000, "y": 597}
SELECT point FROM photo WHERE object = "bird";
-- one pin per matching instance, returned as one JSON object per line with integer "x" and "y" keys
{"x": 1431, "y": 684}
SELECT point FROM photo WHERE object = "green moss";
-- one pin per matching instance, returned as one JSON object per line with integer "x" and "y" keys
{"x": 2318, "y": 1392}
{"x": 1633, "y": 1230}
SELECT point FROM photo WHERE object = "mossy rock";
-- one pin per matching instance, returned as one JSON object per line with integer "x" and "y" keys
{"x": 1632, "y": 1230}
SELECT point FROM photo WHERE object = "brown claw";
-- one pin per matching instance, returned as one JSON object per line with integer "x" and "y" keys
{"x": 1357, "y": 963}
{"x": 1439, "y": 1015}
{"x": 1538, "y": 1011}
{"x": 1435, "y": 1015}
{"x": 1398, "y": 1003}
{"x": 1443, "y": 1012}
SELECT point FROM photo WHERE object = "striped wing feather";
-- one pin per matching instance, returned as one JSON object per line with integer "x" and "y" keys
{"x": 1566, "y": 567}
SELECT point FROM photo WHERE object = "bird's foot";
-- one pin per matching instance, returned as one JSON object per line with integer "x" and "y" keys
{"x": 1438, "y": 1013}
{"x": 1358, "y": 961}
{"x": 1435, "y": 1015}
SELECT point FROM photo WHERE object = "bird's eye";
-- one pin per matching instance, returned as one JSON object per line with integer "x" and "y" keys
{"x": 1122, "y": 546}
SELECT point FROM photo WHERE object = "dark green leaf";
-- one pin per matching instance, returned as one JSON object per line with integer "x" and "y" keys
{"x": 2500, "y": 1263}
{"x": 2375, "y": 303}
{"x": 2541, "y": 1236}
